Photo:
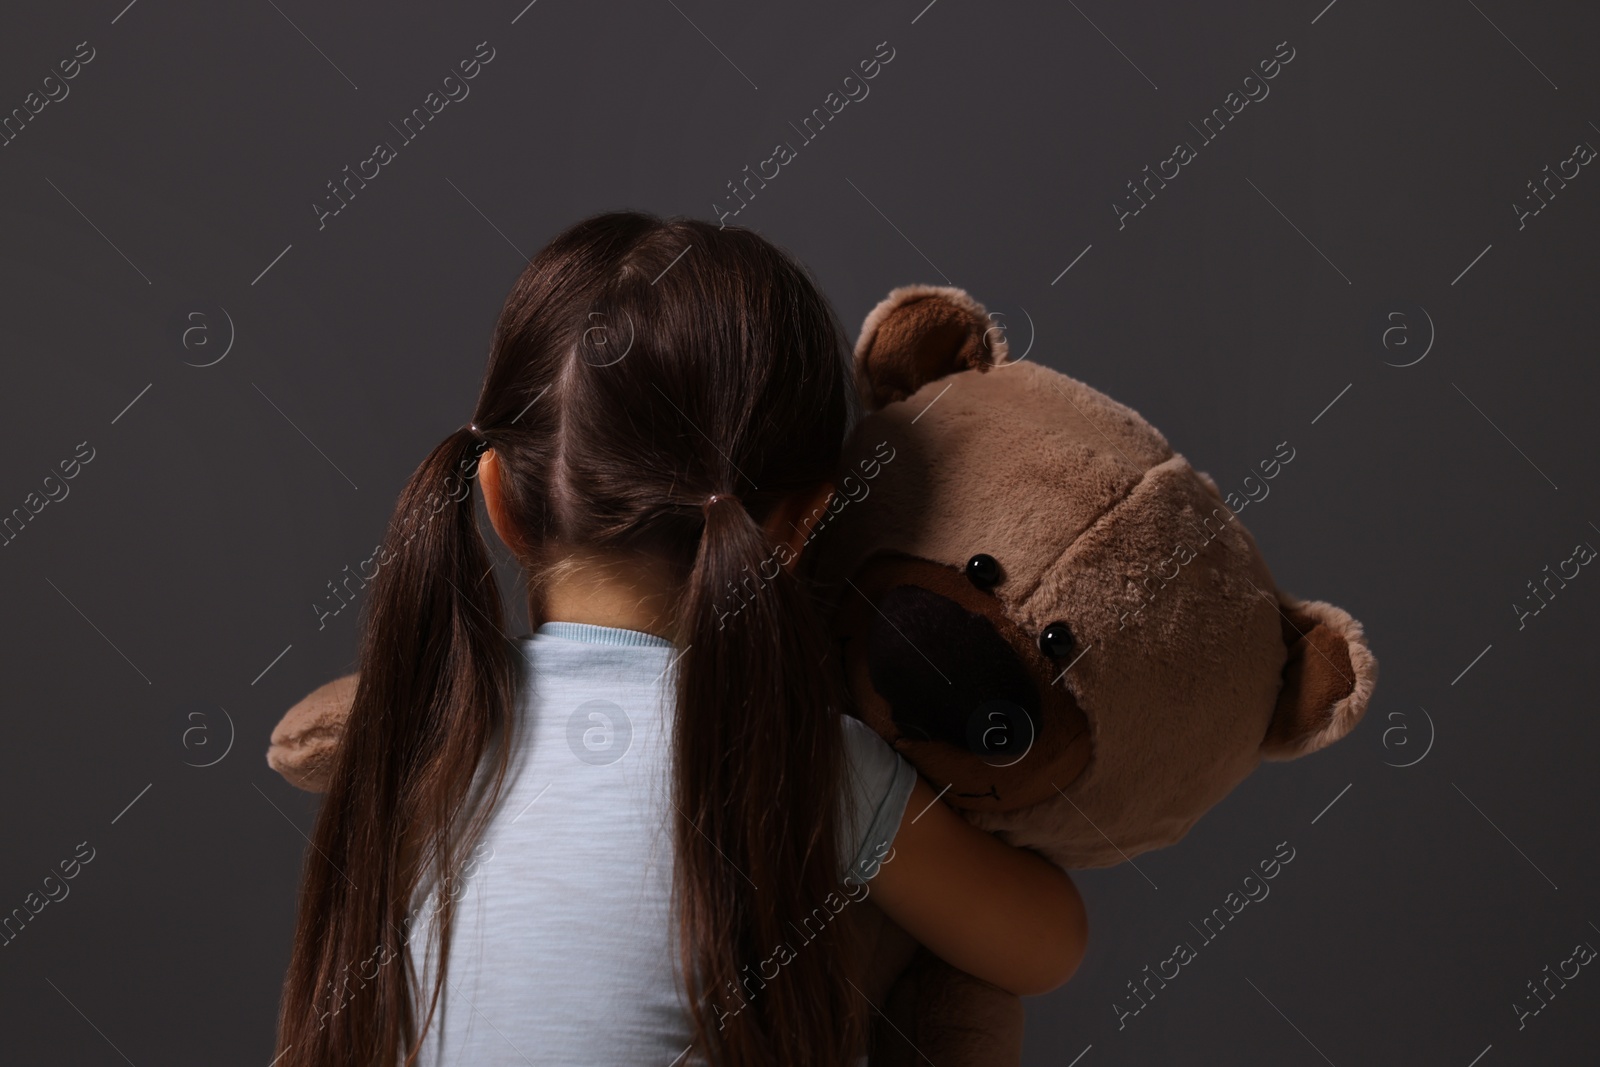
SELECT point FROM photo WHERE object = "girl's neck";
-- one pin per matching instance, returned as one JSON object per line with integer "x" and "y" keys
{"x": 628, "y": 591}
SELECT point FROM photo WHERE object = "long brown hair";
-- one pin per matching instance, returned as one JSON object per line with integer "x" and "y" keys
{"x": 639, "y": 365}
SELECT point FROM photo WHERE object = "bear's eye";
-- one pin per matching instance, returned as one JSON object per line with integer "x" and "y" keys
{"x": 983, "y": 571}
{"x": 1056, "y": 640}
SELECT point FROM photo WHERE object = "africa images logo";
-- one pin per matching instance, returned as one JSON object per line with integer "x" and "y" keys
{"x": 599, "y": 732}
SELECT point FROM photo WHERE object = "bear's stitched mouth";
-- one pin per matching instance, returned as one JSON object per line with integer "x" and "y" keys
{"x": 993, "y": 792}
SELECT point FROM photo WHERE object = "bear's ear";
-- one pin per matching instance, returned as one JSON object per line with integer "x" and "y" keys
{"x": 1327, "y": 680}
{"x": 919, "y": 333}
{"x": 307, "y": 737}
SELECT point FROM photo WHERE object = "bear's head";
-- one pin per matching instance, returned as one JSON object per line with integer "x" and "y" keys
{"x": 1048, "y": 611}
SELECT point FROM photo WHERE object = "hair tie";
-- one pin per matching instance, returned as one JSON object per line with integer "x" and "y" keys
{"x": 716, "y": 497}
{"x": 481, "y": 443}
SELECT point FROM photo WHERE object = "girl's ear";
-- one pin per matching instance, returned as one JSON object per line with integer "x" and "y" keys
{"x": 494, "y": 503}
{"x": 1327, "y": 680}
{"x": 794, "y": 517}
{"x": 920, "y": 333}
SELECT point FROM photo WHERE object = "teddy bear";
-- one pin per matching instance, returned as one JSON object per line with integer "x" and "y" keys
{"x": 1055, "y": 618}
{"x": 1058, "y": 621}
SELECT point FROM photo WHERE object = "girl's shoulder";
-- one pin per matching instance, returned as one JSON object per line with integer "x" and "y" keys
{"x": 879, "y": 785}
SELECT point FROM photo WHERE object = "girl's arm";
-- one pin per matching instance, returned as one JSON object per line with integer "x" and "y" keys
{"x": 999, "y": 913}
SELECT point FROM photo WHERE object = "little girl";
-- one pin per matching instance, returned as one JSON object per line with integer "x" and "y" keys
{"x": 575, "y": 848}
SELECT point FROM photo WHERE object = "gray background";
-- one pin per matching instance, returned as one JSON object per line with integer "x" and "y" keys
{"x": 171, "y": 591}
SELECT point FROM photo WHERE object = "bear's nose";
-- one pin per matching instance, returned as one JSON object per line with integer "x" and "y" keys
{"x": 949, "y": 676}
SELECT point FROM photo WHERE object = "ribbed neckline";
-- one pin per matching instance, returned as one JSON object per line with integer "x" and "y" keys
{"x": 590, "y": 634}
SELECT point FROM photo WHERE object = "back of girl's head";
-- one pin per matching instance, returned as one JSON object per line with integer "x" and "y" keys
{"x": 640, "y": 368}
{"x": 640, "y": 365}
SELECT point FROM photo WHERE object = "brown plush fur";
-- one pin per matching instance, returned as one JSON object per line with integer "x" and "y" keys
{"x": 1188, "y": 665}
{"x": 304, "y": 740}
{"x": 921, "y": 332}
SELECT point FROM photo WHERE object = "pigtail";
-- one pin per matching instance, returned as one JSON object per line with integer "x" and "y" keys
{"x": 436, "y": 689}
{"x": 753, "y": 692}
